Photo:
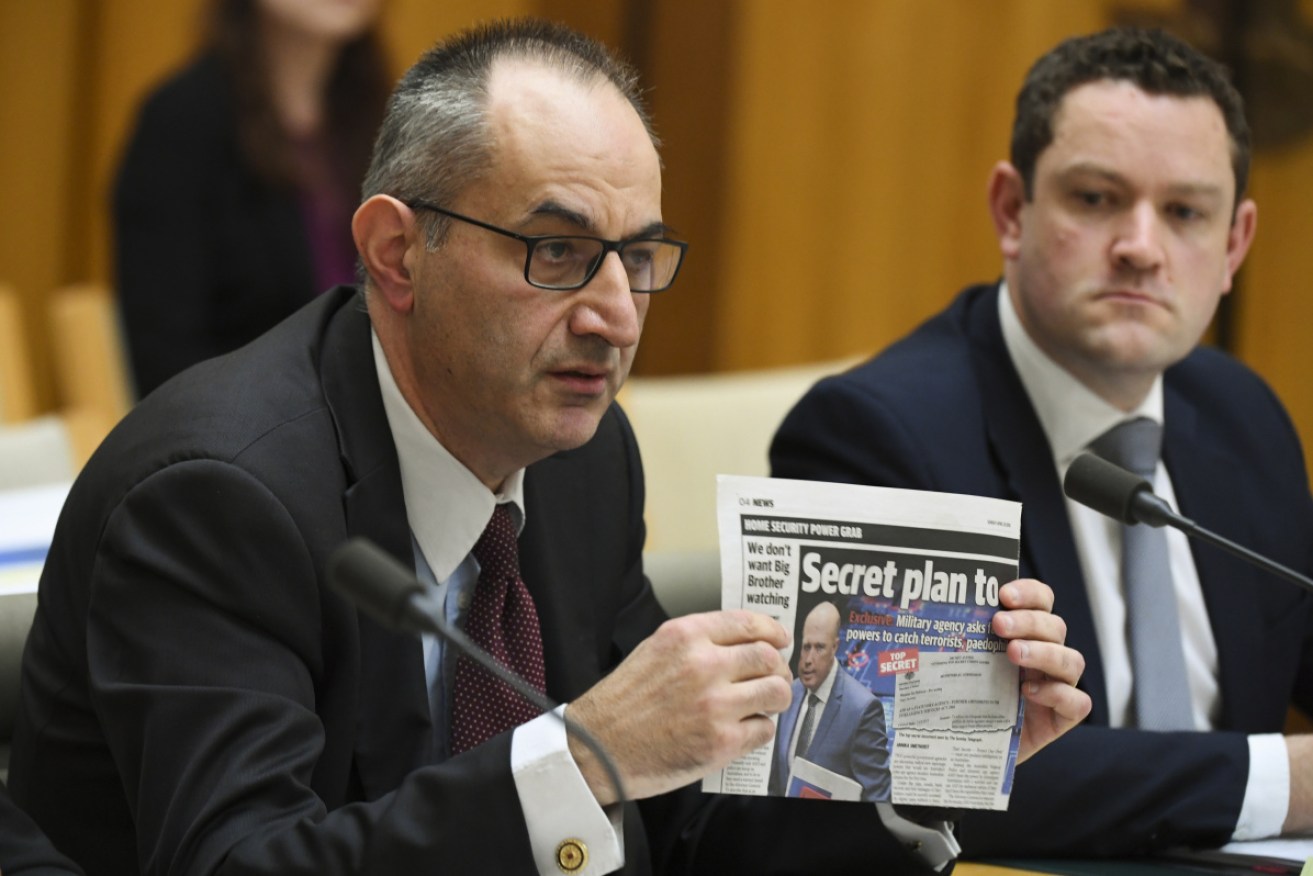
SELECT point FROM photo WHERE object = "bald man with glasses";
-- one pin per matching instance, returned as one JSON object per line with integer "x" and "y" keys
{"x": 197, "y": 700}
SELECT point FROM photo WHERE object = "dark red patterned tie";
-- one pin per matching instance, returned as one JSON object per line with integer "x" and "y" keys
{"x": 502, "y": 619}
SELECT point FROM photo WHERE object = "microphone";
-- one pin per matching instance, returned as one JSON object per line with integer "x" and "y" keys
{"x": 387, "y": 591}
{"x": 1124, "y": 496}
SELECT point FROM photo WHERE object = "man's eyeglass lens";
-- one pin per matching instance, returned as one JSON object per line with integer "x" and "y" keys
{"x": 566, "y": 262}
{"x": 570, "y": 261}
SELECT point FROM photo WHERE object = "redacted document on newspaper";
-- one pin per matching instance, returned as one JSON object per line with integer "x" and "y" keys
{"x": 901, "y": 691}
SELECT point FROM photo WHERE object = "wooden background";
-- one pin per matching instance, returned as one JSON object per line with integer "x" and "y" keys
{"x": 826, "y": 159}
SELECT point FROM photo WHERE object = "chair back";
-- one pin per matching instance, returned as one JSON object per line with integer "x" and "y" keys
{"x": 17, "y": 396}
{"x": 50, "y": 448}
{"x": 692, "y": 428}
{"x": 36, "y": 451}
{"x": 689, "y": 430}
{"x": 91, "y": 368}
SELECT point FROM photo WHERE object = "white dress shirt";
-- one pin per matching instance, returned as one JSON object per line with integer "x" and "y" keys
{"x": 447, "y": 508}
{"x": 1072, "y": 416}
{"x": 822, "y": 694}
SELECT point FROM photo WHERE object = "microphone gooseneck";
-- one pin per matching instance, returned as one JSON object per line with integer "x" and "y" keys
{"x": 1115, "y": 492}
{"x": 1126, "y": 497}
{"x": 389, "y": 592}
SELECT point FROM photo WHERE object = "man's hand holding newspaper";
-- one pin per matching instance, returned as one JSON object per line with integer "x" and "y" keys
{"x": 1050, "y": 669}
{"x": 923, "y": 671}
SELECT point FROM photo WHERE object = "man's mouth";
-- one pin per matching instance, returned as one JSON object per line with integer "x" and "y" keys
{"x": 1131, "y": 296}
{"x": 585, "y": 380}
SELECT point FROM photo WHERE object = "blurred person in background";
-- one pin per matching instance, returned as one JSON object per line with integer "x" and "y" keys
{"x": 233, "y": 204}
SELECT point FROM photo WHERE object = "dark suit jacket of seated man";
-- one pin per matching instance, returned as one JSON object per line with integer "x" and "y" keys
{"x": 1148, "y": 209}
{"x": 24, "y": 850}
{"x": 944, "y": 410}
{"x": 247, "y": 720}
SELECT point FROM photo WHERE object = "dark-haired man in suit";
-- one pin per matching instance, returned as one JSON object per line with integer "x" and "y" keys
{"x": 1121, "y": 219}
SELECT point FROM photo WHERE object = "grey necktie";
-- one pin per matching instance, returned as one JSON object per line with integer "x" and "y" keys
{"x": 805, "y": 731}
{"x": 1162, "y": 692}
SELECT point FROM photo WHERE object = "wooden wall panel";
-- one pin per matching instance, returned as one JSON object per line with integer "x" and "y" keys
{"x": 39, "y": 64}
{"x": 1274, "y": 310}
{"x": 827, "y": 162}
{"x": 691, "y": 61}
{"x": 860, "y": 146}
{"x": 411, "y": 26}
{"x": 1274, "y": 307}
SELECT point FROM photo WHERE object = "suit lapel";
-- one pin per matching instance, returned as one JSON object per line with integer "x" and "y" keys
{"x": 556, "y": 562}
{"x": 1025, "y": 462}
{"x": 788, "y": 721}
{"x": 1209, "y": 487}
{"x": 394, "y": 730}
{"x": 832, "y": 708}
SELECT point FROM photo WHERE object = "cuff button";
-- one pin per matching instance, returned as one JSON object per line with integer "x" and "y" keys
{"x": 572, "y": 856}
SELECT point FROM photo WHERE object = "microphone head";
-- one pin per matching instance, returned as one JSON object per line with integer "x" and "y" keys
{"x": 373, "y": 580}
{"x": 1107, "y": 488}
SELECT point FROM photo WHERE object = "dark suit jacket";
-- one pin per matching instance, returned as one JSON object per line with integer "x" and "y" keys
{"x": 196, "y": 700}
{"x": 850, "y": 740}
{"x": 944, "y": 409}
{"x": 208, "y": 255}
{"x": 24, "y": 851}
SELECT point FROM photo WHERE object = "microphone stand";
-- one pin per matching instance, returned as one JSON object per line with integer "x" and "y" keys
{"x": 412, "y": 611}
{"x": 1194, "y": 530}
{"x": 1122, "y": 495}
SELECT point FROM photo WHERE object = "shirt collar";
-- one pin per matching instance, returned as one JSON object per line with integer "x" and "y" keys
{"x": 1070, "y": 413}
{"x": 447, "y": 506}
{"x": 823, "y": 692}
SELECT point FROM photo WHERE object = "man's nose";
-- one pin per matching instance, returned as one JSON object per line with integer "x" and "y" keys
{"x": 607, "y": 308}
{"x": 1138, "y": 241}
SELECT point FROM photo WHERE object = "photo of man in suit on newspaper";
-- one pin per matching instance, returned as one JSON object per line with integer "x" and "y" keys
{"x": 833, "y": 721}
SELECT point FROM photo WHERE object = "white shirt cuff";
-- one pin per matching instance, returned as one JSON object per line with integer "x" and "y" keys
{"x": 560, "y": 811}
{"x": 933, "y": 843}
{"x": 1267, "y": 793}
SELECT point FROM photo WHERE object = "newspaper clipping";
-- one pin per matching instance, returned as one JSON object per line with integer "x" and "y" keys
{"x": 901, "y": 691}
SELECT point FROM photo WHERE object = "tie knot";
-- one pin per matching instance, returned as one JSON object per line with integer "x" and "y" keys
{"x": 497, "y": 549}
{"x": 1134, "y": 445}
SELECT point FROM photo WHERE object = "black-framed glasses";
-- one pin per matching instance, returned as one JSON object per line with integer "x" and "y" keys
{"x": 562, "y": 262}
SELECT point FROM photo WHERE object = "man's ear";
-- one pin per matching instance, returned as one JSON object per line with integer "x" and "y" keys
{"x": 1007, "y": 195}
{"x": 385, "y": 232}
{"x": 1238, "y": 239}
